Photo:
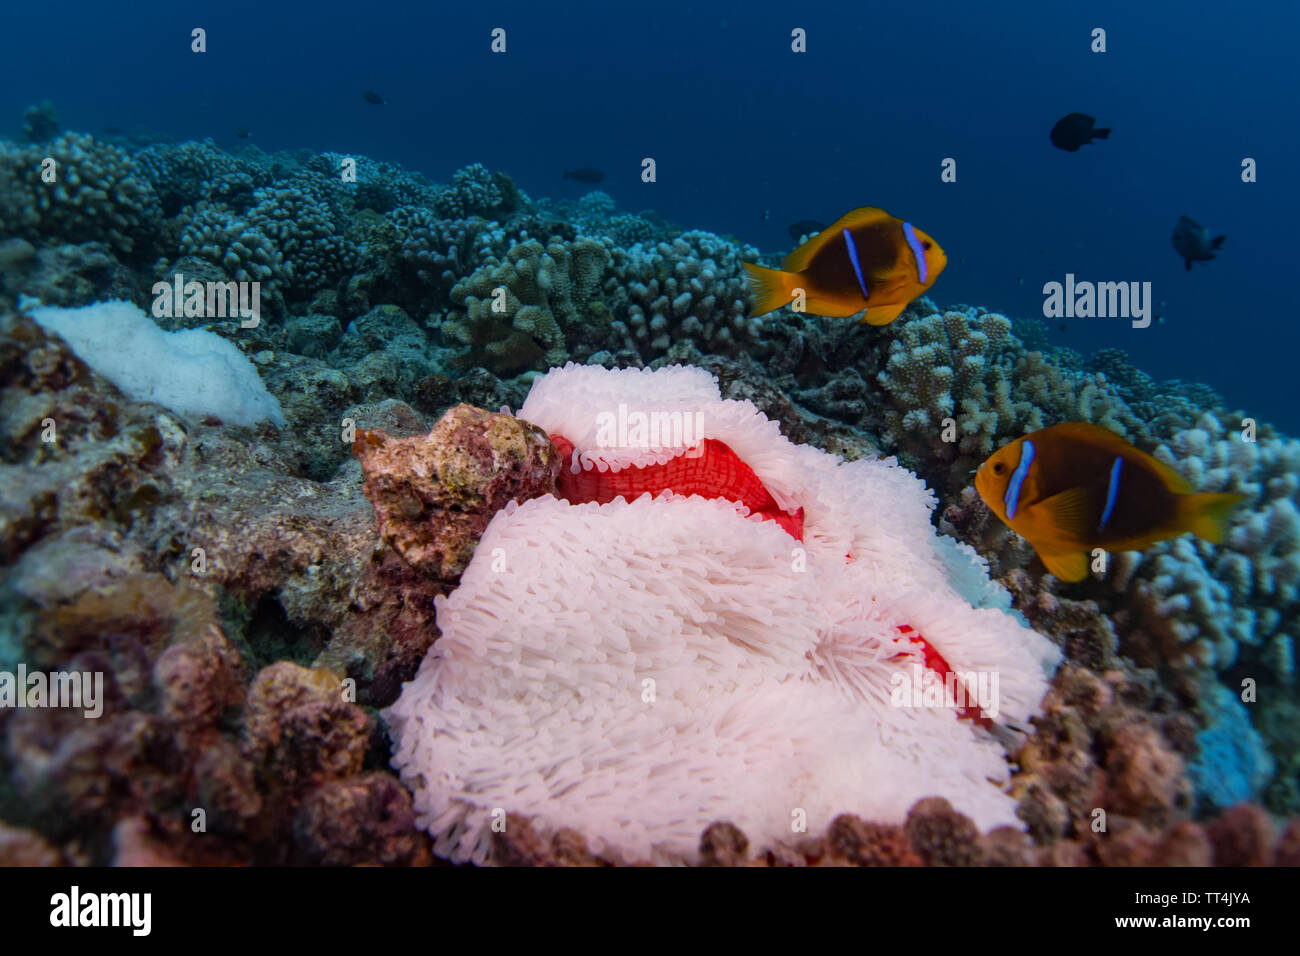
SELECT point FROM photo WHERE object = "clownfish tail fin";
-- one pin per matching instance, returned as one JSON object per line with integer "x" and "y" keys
{"x": 1206, "y": 516}
{"x": 771, "y": 288}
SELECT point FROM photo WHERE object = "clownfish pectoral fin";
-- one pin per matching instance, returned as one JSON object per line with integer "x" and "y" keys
{"x": 883, "y": 314}
{"x": 771, "y": 288}
{"x": 1069, "y": 566}
{"x": 1068, "y": 514}
{"x": 1206, "y": 516}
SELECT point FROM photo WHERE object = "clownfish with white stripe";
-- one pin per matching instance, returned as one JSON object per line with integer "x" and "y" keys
{"x": 1075, "y": 487}
{"x": 866, "y": 260}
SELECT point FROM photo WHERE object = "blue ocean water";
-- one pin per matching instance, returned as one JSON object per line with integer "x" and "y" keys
{"x": 749, "y": 136}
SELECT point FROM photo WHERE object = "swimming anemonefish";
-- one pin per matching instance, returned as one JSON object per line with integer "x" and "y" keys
{"x": 1071, "y": 488}
{"x": 865, "y": 260}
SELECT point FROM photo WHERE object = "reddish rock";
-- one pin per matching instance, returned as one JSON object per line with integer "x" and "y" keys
{"x": 1287, "y": 852}
{"x": 299, "y": 731}
{"x": 1006, "y": 846}
{"x": 1148, "y": 779}
{"x": 519, "y": 844}
{"x": 1242, "y": 836}
{"x": 940, "y": 835}
{"x": 1184, "y": 844}
{"x": 860, "y": 842}
{"x": 433, "y": 495}
{"x": 365, "y": 820}
{"x": 722, "y": 844}
{"x": 199, "y": 680}
{"x": 19, "y": 847}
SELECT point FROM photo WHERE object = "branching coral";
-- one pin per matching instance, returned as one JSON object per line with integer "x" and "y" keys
{"x": 235, "y": 245}
{"x": 546, "y": 291}
{"x": 97, "y": 193}
{"x": 1237, "y": 603}
{"x": 692, "y": 288}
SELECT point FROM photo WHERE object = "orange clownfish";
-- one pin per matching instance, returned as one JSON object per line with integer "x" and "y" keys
{"x": 1071, "y": 488}
{"x": 867, "y": 259}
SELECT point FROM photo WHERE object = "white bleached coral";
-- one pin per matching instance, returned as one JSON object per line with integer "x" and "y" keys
{"x": 639, "y": 670}
{"x": 192, "y": 372}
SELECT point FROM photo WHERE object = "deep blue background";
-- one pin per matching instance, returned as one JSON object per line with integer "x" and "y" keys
{"x": 739, "y": 124}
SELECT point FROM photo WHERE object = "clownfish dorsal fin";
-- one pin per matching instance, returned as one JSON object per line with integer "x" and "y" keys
{"x": 1070, "y": 513}
{"x": 1172, "y": 479}
{"x": 1067, "y": 565}
{"x": 1105, "y": 438}
{"x": 798, "y": 260}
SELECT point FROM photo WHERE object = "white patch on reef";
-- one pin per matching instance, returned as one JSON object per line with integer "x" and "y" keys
{"x": 193, "y": 372}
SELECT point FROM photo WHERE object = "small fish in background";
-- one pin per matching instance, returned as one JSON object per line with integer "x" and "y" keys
{"x": 805, "y": 227}
{"x": 370, "y": 96}
{"x": 586, "y": 175}
{"x": 1071, "y": 488}
{"x": 242, "y": 133}
{"x": 1020, "y": 280}
{"x": 767, "y": 214}
{"x": 866, "y": 259}
{"x": 1075, "y": 130}
{"x": 1192, "y": 241}
{"x": 1062, "y": 327}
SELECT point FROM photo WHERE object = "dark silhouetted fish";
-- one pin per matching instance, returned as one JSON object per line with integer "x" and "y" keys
{"x": 586, "y": 175}
{"x": 805, "y": 227}
{"x": 1193, "y": 242}
{"x": 242, "y": 133}
{"x": 370, "y": 96}
{"x": 1075, "y": 130}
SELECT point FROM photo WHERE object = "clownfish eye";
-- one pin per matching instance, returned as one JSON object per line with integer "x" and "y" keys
{"x": 927, "y": 245}
{"x": 999, "y": 468}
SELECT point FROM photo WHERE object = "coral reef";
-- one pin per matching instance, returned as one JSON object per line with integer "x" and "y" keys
{"x": 252, "y": 594}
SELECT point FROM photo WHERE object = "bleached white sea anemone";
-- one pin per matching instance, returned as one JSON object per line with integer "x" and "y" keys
{"x": 636, "y": 670}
